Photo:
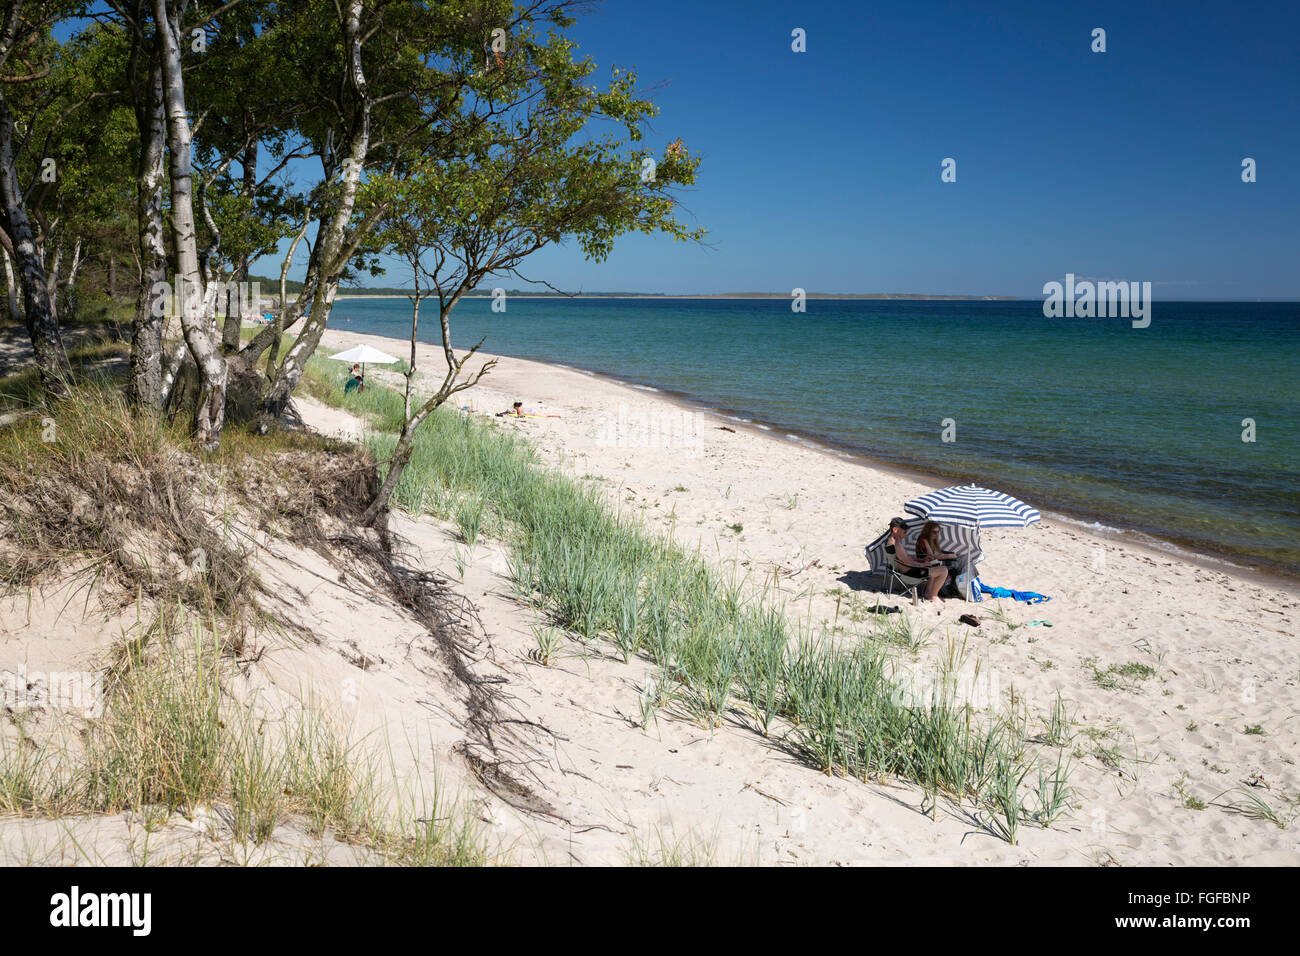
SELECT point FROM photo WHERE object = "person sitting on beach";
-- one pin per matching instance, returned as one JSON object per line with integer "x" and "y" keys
{"x": 357, "y": 383}
{"x": 927, "y": 545}
{"x": 932, "y": 571}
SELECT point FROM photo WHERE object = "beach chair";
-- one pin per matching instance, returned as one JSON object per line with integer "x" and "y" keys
{"x": 897, "y": 574}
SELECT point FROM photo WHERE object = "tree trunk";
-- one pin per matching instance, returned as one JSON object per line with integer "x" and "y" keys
{"x": 47, "y": 343}
{"x": 69, "y": 307}
{"x": 52, "y": 281}
{"x": 11, "y": 288}
{"x": 171, "y": 367}
{"x": 270, "y": 337}
{"x": 145, "y": 388}
{"x": 396, "y": 465}
{"x": 282, "y": 309}
{"x": 230, "y": 331}
{"x": 332, "y": 246}
{"x": 295, "y": 361}
{"x": 406, "y": 440}
{"x": 196, "y": 315}
{"x": 411, "y": 423}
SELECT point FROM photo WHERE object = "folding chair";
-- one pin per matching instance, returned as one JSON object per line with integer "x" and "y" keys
{"x": 896, "y": 574}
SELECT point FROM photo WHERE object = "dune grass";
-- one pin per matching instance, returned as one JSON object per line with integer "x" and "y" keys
{"x": 723, "y": 648}
{"x": 725, "y": 651}
{"x": 89, "y": 488}
{"x": 171, "y": 738}
{"x": 91, "y": 362}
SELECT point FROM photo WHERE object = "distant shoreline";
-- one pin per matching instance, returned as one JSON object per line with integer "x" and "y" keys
{"x": 882, "y": 297}
{"x": 820, "y": 296}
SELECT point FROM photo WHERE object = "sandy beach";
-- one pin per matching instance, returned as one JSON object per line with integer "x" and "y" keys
{"x": 1181, "y": 678}
{"x": 922, "y": 503}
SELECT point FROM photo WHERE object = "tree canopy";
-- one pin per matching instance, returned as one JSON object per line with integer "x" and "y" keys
{"x": 191, "y": 138}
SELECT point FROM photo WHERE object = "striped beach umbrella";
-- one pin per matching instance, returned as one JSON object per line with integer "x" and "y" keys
{"x": 973, "y": 506}
{"x": 953, "y": 538}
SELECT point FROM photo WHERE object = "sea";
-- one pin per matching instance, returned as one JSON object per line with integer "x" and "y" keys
{"x": 1185, "y": 433}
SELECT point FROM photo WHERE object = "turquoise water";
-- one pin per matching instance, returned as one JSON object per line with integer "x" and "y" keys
{"x": 1139, "y": 429}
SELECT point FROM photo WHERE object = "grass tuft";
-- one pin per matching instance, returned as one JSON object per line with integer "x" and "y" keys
{"x": 172, "y": 738}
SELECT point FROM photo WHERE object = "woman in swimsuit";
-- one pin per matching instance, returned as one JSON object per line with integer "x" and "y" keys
{"x": 933, "y": 571}
{"x": 927, "y": 545}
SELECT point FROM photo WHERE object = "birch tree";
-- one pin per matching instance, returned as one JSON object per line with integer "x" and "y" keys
{"x": 410, "y": 78}
{"x": 531, "y": 177}
{"x": 26, "y": 50}
{"x": 144, "y": 80}
{"x": 194, "y": 296}
{"x": 343, "y": 166}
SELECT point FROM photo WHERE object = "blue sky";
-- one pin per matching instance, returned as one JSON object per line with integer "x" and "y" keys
{"x": 822, "y": 169}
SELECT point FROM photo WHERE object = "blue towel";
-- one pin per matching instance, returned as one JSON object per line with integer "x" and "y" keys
{"x": 1028, "y": 597}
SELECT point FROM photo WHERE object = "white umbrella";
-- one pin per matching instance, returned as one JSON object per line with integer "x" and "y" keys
{"x": 364, "y": 354}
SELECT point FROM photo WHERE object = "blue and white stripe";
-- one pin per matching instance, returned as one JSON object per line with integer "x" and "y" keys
{"x": 955, "y": 539}
{"x": 973, "y": 506}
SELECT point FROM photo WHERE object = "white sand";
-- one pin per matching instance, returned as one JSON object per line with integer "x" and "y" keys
{"x": 1223, "y": 647}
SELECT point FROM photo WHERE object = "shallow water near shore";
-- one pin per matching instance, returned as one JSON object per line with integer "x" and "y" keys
{"x": 1137, "y": 429}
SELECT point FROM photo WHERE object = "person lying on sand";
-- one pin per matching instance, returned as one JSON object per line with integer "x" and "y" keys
{"x": 517, "y": 411}
{"x": 932, "y": 570}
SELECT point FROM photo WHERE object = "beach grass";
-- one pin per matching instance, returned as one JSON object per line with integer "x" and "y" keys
{"x": 90, "y": 362}
{"x": 172, "y": 739}
{"x": 665, "y": 847}
{"x": 121, "y": 500}
{"x": 724, "y": 650}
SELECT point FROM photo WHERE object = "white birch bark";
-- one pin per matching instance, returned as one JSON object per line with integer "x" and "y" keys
{"x": 197, "y": 324}
{"x": 146, "y": 386}
{"x": 47, "y": 343}
{"x": 11, "y": 288}
{"x": 332, "y": 244}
